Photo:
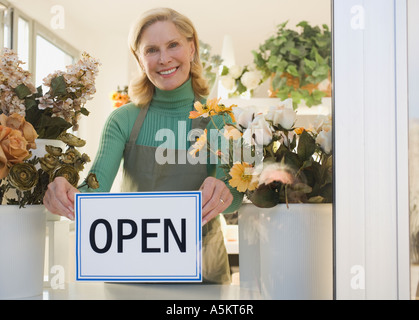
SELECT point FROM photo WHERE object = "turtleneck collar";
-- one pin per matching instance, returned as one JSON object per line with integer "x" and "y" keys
{"x": 181, "y": 97}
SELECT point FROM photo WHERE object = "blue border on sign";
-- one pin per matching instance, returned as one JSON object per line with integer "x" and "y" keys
{"x": 136, "y": 278}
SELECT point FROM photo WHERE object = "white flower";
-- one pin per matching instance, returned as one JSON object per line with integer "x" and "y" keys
{"x": 259, "y": 132}
{"x": 283, "y": 115}
{"x": 321, "y": 123}
{"x": 324, "y": 139}
{"x": 251, "y": 79}
{"x": 228, "y": 82}
{"x": 235, "y": 71}
{"x": 244, "y": 116}
{"x": 231, "y": 132}
{"x": 252, "y": 67}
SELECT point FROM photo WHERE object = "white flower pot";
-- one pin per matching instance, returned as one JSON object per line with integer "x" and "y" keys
{"x": 22, "y": 251}
{"x": 287, "y": 253}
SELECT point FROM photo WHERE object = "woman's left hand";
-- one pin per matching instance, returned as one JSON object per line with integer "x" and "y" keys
{"x": 216, "y": 197}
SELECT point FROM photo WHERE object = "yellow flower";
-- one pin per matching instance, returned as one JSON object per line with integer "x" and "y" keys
{"x": 210, "y": 108}
{"x": 241, "y": 177}
{"x": 199, "y": 144}
{"x": 113, "y": 95}
{"x": 213, "y": 105}
{"x": 202, "y": 110}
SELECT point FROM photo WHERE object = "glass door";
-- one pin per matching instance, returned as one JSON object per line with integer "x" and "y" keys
{"x": 413, "y": 85}
{"x": 371, "y": 149}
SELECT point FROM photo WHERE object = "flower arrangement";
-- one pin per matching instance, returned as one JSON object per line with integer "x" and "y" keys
{"x": 239, "y": 80}
{"x": 27, "y": 115}
{"x": 57, "y": 110}
{"x": 269, "y": 159}
{"x": 120, "y": 97}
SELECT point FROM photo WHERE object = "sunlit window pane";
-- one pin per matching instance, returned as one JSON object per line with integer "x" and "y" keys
{"x": 49, "y": 58}
{"x": 6, "y": 31}
{"x": 23, "y": 42}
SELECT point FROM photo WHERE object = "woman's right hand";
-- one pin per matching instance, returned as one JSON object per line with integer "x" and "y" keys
{"x": 59, "y": 198}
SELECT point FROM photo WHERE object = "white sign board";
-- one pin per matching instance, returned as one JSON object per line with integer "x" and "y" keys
{"x": 138, "y": 237}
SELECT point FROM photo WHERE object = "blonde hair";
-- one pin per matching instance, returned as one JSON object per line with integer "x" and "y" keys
{"x": 141, "y": 89}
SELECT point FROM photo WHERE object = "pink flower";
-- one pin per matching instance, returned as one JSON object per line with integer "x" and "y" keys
{"x": 275, "y": 172}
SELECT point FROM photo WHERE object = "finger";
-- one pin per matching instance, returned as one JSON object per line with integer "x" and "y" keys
{"x": 219, "y": 196}
{"x": 71, "y": 195}
{"x": 54, "y": 206}
{"x": 211, "y": 212}
{"x": 206, "y": 188}
{"x": 58, "y": 200}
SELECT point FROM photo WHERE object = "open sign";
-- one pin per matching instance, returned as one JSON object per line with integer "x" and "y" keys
{"x": 138, "y": 237}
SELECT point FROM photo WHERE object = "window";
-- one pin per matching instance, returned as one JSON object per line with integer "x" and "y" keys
{"x": 23, "y": 41}
{"x": 49, "y": 58}
{"x": 5, "y": 26}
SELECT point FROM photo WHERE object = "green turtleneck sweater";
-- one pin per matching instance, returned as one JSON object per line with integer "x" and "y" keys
{"x": 167, "y": 109}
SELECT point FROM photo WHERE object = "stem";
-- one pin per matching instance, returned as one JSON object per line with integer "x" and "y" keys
{"x": 212, "y": 120}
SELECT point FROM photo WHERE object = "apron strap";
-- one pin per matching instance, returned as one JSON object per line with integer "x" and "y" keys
{"x": 138, "y": 124}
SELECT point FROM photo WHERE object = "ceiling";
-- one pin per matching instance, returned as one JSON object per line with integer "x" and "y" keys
{"x": 248, "y": 22}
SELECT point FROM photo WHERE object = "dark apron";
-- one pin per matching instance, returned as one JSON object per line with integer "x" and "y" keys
{"x": 142, "y": 173}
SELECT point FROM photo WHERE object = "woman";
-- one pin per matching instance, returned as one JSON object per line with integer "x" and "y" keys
{"x": 166, "y": 47}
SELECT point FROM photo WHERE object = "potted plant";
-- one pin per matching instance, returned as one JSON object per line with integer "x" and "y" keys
{"x": 297, "y": 62}
{"x": 285, "y": 172}
{"x": 26, "y": 115}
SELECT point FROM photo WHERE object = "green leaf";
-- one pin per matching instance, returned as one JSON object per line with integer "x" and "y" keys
{"x": 225, "y": 71}
{"x": 306, "y": 146}
{"x": 264, "y": 197}
{"x": 51, "y": 128}
{"x": 316, "y": 199}
{"x": 309, "y": 65}
{"x": 278, "y": 81}
{"x": 296, "y": 96}
{"x": 30, "y": 102}
{"x": 292, "y": 69}
{"x": 321, "y": 71}
{"x": 283, "y": 93}
{"x": 84, "y": 111}
{"x": 22, "y": 91}
{"x": 58, "y": 86}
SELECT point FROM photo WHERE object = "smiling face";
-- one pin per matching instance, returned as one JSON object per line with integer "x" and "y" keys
{"x": 165, "y": 55}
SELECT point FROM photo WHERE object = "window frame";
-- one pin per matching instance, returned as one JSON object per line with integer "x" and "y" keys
{"x": 35, "y": 29}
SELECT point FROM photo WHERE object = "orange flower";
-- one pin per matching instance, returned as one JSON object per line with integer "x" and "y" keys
{"x": 199, "y": 144}
{"x": 299, "y": 130}
{"x": 4, "y": 169}
{"x": 13, "y": 149}
{"x": 202, "y": 110}
{"x": 119, "y": 99}
{"x": 18, "y": 122}
{"x": 211, "y": 107}
{"x": 242, "y": 177}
